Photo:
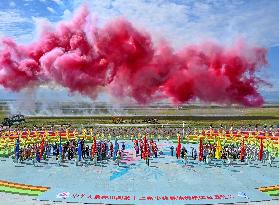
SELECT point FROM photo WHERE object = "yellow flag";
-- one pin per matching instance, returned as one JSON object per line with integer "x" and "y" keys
{"x": 91, "y": 133}
{"x": 46, "y": 133}
{"x": 57, "y": 136}
{"x": 218, "y": 149}
{"x": 20, "y": 134}
{"x": 75, "y": 134}
{"x": 83, "y": 133}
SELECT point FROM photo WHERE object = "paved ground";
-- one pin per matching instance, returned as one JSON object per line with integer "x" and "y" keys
{"x": 166, "y": 181}
{"x": 23, "y": 200}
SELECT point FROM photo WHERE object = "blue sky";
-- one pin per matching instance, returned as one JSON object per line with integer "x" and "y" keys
{"x": 181, "y": 22}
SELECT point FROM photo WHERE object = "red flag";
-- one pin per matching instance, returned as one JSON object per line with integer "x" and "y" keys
{"x": 42, "y": 147}
{"x": 261, "y": 150}
{"x": 242, "y": 149}
{"x": 145, "y": 147}
{"x": 200, "y": 150}
{"x": 178, "y": 147}
{"x": 94, "y": 146}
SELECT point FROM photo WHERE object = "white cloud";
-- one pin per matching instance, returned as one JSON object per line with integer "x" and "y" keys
{"x": 42, "y": 25}
{"x": 59, "y": 2}
{"x": 51, "y": 10}
{"x": 11, "y": 24}
{"x": 193, "y": 21}
{"x": 67, "y": 14}
{"x": 11, "y": 16}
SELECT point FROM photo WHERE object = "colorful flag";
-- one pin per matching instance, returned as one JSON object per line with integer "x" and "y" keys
{"x": 60, "y": 147}
{"x": 17, "y": 149}
{"x": 79, "y": 150}
{"x": 261, "y": 149}
{"x": 91, "y": 133}
{"x": 200, "y": 150}
{"x": 218, "y": 149}
{"x": 145, "y": 147}
{"x": 94, "y": 147}
{"x": 84, "y": 133}
{"x": 115, "y": 149}
{"x": 42, "y": 147}
{"x": 67, "y": 134}
{"x": 178, "y": 146}
{"x": 242, "y": 152}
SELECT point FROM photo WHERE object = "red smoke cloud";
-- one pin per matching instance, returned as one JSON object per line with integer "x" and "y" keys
{"x": 84, "y": 58}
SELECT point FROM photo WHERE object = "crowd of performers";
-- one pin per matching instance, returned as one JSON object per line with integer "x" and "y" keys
{"x": 229, "y": 153}
{"x": 145, "y": 149}
{"x": 79, "y": 150}
{"x": 108, "y": 149}
{"x": 71, "y": 149}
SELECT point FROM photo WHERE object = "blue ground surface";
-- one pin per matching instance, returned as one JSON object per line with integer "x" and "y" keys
{"x": 166, "y": 181}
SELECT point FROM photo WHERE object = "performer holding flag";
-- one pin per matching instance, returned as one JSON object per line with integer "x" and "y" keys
{"x": 111, "y": 150}
{"x": 261, "y": 149}
{"x": 145, "y": 147}
{"x": 78, "y": 157}
{"x": 60, "y": 150}
{"x": 17, "y": 147}
{"x": 42, "y": 147}
{"x": 178, "y": 148}
{"x": 79, "y": 150}
{"x": 242, "y": 152}
{"x": 218, "y": 149}
{"x": 200, "y": 150}
{"x": 94, "y": 151}
{"x": 115, "y": 150}
{"x": 94, "y": 147}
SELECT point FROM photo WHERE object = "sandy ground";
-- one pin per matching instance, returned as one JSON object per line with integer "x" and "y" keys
{"x": 13, "y": 199}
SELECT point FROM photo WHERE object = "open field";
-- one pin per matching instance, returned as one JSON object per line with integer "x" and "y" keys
{"x": 170, "y": 120}
{"x": 192, "y": 115}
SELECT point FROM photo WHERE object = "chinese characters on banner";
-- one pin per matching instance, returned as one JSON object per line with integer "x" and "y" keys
{"x": 150, "y": 198}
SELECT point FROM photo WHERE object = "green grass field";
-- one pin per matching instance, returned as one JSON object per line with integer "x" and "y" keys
{"x": 193, "y": 116}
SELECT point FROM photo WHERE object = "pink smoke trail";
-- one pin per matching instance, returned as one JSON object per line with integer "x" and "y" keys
{"x": 86, "y": 59}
